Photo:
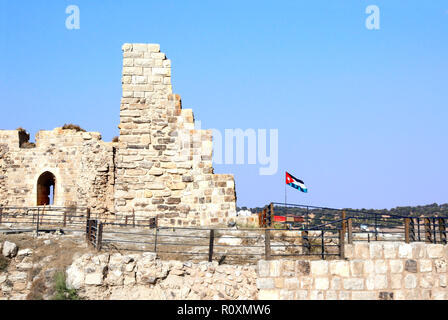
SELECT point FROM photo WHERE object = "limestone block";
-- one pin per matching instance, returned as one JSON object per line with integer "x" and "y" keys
{"x": 353, "y": 284}
{"x": 380, "y": 266}
{"x": 339, "y": 268}
{"x": 396, "y": 281}
{"x": 435, "y": 251}
{"x": 361, "y": 251}
{"x": 405, "y": 251}
{"x": 317, "y": 295}
{"x": 321, "y": 283}
{"x": 369, "y": 267}
{"x": 425, "y": 265}
{"x": 266, "y": 294}
{"x": 301, "y": 295}
{"x": 275, "y": 267}
{"x": 356, "y": 268}
{"x": 381, "y": 282}
{"x": 286, "y": 295}
{"x": 440, "y": 265}
{"x": 410, "y": 281}
{"x": 9, "y": 249}
{"x": 376, "y": 251}
{"x": 265, "y": 283}
{"x": 396, "y": 266}
{"x": 363, "y": 295}
{"x": 292, "y": 283}
{"x": 319, "y": 267}
{"x": 426, "y": 281}
{"x": 306, "y": 282}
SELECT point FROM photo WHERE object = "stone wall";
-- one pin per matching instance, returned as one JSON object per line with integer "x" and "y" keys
{"x": 384, "y": 271}
{"x": 142, "y": 276}
{"x": 164, "y": 164}
{"x": 81, "y": 162}
{"x": 161, "y": 166}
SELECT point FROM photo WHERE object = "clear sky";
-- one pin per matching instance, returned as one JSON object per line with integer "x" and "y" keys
{"x": 362, "y": 114}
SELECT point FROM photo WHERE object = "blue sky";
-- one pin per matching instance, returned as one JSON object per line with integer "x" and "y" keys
{"x": 361, "y": 113}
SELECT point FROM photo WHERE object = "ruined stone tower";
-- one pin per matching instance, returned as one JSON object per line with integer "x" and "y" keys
{"x": 161, "y": 166}
{"x": 164, "y": 165}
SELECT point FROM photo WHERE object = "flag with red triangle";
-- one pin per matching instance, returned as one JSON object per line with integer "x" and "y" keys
{"x": 295, "y": 183}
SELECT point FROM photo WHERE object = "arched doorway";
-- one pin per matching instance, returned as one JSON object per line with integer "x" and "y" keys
{"x": 46, "y": 189}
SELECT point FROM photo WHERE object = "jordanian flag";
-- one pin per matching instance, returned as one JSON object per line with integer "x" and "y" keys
{"x": 295, "y": 183}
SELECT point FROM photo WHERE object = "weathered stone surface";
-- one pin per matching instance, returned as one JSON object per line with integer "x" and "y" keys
{"x": 9, "y": 249}
{"x": 411, "y": 266}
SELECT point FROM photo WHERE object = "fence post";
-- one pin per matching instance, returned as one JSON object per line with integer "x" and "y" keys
{"x": 88, "y": 230}
{"x": 133, "y": 218}
{"x": 349, "y": 231}
{"x": 65, "y": 218}
{"x": 88, "y": 214}
{"x": 271, "y": 216}
{"x": 428, "y": 237}
{"x": 322, "y": 244}
{"x": 341, "y": 244}
{"x": 442, "y": 230}
{"x": 406, "y": 229}
{"x": 305, "y": 242}
{"x": 155, "y": 239}
{"x": 37, "y": 224}
{"x": 1, "y": 213}
{"x": 344, "y": 222}
{"x": 99, "y": 238}
{"x": 376, "y": 226}
{"x": 126, "y": 221}
{"x": 412, "y": 229}
{"x": 434, "y": 229}
{"x": 210, "y": 247}
{"x": 267, "y": 244}
{"x": 418, "y": 229}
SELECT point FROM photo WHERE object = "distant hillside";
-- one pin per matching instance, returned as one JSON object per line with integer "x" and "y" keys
{"x": 417, "y": 211}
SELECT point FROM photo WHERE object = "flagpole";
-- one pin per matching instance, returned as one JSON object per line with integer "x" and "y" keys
{"x": 285, "y": 198}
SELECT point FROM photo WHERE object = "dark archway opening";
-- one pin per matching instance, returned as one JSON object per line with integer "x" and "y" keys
{"x": 46, "y": 189}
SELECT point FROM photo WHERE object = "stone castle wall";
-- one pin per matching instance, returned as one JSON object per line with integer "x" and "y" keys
{"x": 164, "y": 165}
{"x": 375, "y": 271}
{"x": 161, "y": 166}
{"x": 82, "y": 164}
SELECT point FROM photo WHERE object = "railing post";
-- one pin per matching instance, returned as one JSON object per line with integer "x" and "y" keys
{"x": 1, "y": 214}
{"x": 133, "y": 218}
{"x": 406, "y": 229}
{"x": 341, "y": 244}
{"x": 65, "y": 218}
{"x": 271, "y": 215}
{"x": 428, "y": 237}
{"x": 155, "y": 239}
{"x": 349, "y": 231}
{"x": 305, "y": 242}
{"x": 442, "y": 230}
{"x": 322, "y": 247}
{"x": 434, "y": 230}
{"x": 37, "y": 224}
{"x": 376, "y": 226}
{"x": 126, "y": 221}
{"x": 99, "y": 238}
{"x": 88, "y": 227}
{"x": 418, "y": 229}
{"x": 210, "y": 247}
{"x": 88, "y": 214}
{"x": 412, "y": 229}
{"x": 267, "y": 244}
{"x": 344, "y": 222}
